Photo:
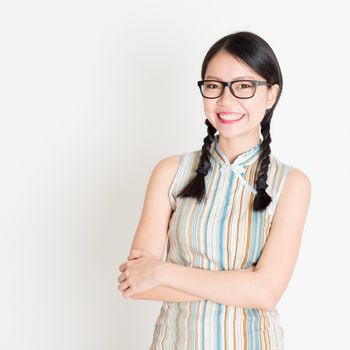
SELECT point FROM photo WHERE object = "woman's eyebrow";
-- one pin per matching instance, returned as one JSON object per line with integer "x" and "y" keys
{"x": 237, "y": 78}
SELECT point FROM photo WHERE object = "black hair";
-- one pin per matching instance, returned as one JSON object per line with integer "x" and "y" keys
{"x": 256, "y": 53}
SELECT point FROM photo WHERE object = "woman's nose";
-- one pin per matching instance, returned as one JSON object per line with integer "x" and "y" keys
{"x": 227, "y": 96}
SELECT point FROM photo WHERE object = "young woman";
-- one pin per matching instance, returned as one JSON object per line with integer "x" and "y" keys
{"x": 232, "y": 214}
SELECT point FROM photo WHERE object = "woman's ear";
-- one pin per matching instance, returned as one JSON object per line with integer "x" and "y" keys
{"x": 272, "y": 94}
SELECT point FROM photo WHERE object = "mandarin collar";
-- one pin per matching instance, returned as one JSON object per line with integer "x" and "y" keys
{"x": 241, "y": 162}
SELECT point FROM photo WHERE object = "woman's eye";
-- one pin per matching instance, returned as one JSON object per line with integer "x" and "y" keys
{"x": 244, "y": 86}
{"x": 212, "y": 86}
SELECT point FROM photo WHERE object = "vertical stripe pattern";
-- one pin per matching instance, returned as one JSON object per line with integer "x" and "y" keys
{"x": 221, "y": 233}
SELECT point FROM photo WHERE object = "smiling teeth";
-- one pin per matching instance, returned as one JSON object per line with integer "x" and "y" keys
{"x": 232, "y": 116}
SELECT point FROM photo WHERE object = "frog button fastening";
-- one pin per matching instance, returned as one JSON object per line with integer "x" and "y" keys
{"x": 239, "y": 169}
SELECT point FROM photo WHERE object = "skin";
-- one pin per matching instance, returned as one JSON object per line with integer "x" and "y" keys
{"x": 146, "y": 276}
{"x": 237, "y": 138}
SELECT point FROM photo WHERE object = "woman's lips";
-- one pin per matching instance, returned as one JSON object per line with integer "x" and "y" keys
{"x": 230, "y": 121}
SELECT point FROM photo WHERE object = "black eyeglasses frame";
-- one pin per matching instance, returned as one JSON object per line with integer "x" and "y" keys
{"x": 229, "y": 85}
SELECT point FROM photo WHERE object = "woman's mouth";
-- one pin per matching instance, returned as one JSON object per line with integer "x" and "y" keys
{"x": 231, "y": 118}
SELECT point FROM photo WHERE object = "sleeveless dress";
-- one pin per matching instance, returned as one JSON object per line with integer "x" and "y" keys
{"x": 221, "y": 233}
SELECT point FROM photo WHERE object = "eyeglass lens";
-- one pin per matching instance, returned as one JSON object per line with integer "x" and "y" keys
{"x": 214, "y": 89}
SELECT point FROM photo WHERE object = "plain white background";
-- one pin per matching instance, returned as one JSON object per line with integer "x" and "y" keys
{"x": 93, "y": 95}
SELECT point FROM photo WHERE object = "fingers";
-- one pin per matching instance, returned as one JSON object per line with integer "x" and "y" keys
{"x": 123, "y": 266}
{"x": 123, "y": 286}
{"x": 121, "y": 278}
{"x": 134, "y": 254}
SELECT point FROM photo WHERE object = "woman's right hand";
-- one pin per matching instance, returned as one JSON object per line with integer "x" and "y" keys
{"x": 135, "y": 254}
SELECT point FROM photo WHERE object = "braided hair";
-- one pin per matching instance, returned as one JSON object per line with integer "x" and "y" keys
{"x": 196, "y": 187}
{"x": 262, "y": 198}
{"x": 256, "y": 53}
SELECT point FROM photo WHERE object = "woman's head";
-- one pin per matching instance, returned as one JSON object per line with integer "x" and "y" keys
{"x": 225, "y": 67}
{"x": 244, "y": 56}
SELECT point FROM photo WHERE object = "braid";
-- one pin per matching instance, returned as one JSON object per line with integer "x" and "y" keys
{"x": 262, "y": 198}
{"x": 196, "y": 187}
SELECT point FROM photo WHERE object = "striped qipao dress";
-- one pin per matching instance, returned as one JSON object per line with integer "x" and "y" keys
{"x": 220, "y": 233}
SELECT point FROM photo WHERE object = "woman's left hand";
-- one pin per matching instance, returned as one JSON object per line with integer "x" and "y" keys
{"x": 139, "y": 274}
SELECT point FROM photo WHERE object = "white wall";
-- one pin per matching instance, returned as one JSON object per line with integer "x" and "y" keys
{"x": 80, "y": 133}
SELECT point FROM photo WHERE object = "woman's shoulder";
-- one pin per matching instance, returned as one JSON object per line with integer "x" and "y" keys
{"x": 168, "y": 165}
{"x": 173, "y": 162}
{"x": 175, "y": 170}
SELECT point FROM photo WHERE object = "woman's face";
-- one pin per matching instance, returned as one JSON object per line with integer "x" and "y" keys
{"x": 224, "y": 67}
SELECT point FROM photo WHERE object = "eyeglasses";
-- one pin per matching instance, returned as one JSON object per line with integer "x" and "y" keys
{"x": 238, "y": 88}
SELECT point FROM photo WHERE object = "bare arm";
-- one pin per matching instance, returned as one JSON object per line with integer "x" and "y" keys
{"x": 234, "y": 287}
{"x": 263, "y": 287}
{"x": 151, "y": 232}
{"x": 167, "y": 293}
{"x": 161, "y": 293}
